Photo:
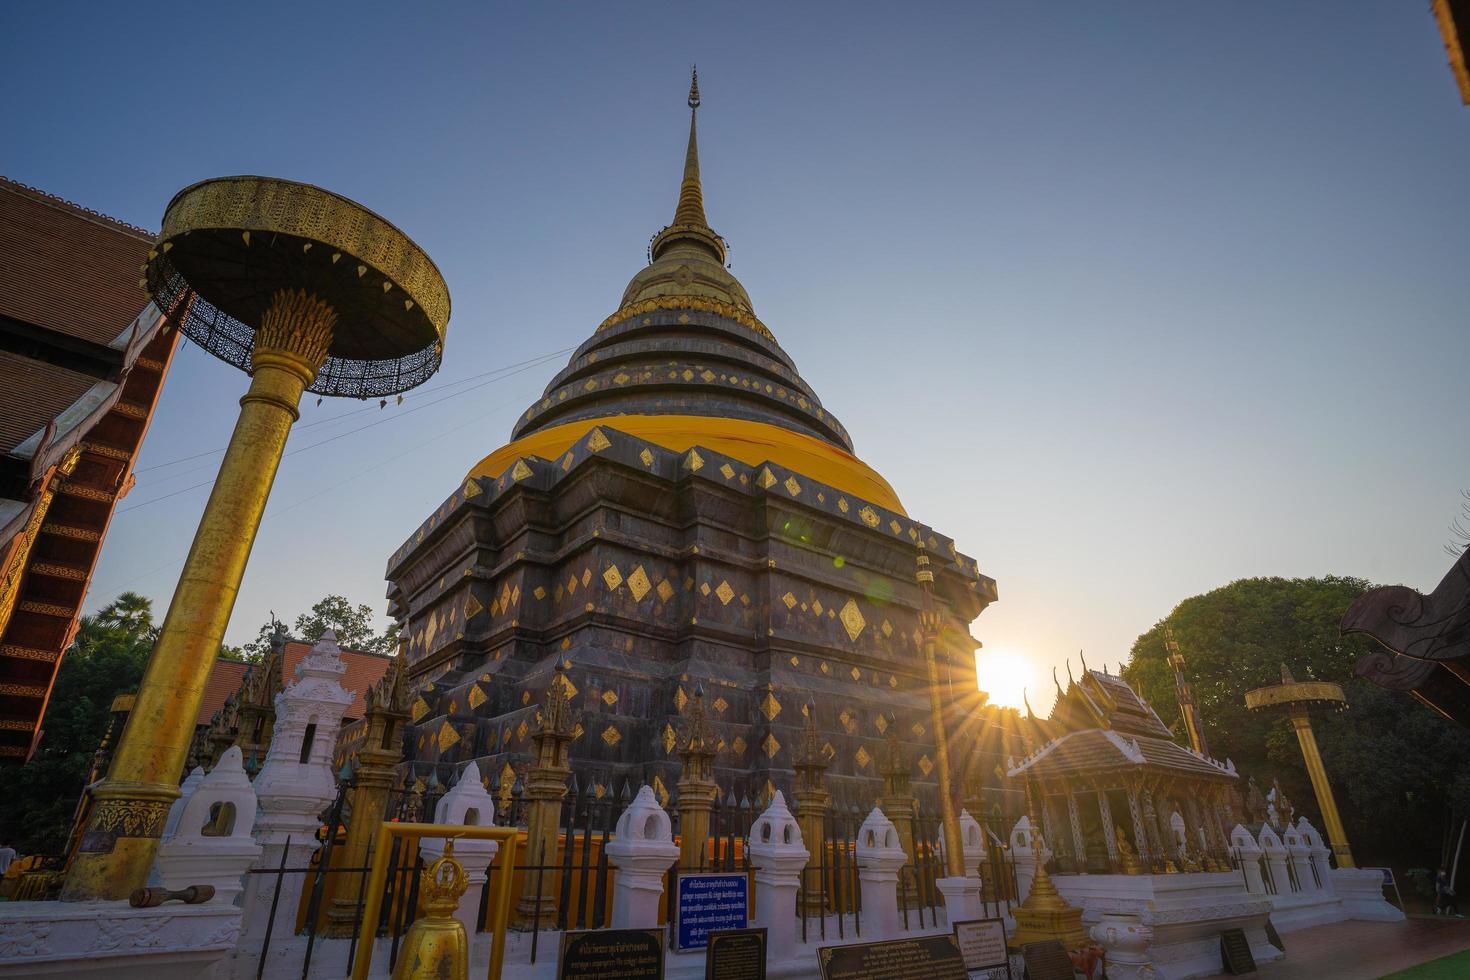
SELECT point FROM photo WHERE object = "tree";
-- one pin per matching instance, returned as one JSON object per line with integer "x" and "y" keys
{"x": 1395, "y": 765}
{"x": 352, "y": 624}
{"x": 105, "y": 659}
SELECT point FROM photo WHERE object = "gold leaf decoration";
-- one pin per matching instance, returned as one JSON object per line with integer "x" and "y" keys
{"x": 694, "y": 462}
{"x": 472, "y": 489}
{"x": 925, "y": 765}
{"x": 887, "y": 628}
{"x": 539, "y": 592}
{"x": 770, "y": 746}
{"x": 477, "y": 697}
{"x": 447, "y": 736}
{"x": 680, "y": 699}
{"x": 419, "y": 709}
{"x": 817, "y": 606}
{"x": 852, "y": 619}
{"x": 611, "y": 736}
{"x": 661, "y": 791}
{"x": 869, "y": 516}
{"x": 704, "y": 588}
{"x": 609, "y": 697}
{"x": 665, "y": 590}
{"x": 789, "y": 600}
{"x": 856, "y": 674}
{"x": 613, "y": 578}
{"x": 521, "y": 731}
{"x": 472, "y": 607}
{"x": 520, "y": 471}
{"x": 861, "y": 757}
{"x": 720, "y": 705}
{"x": 881, "y": 723}
{"x": 917, "y": 728}
{"x": 669, "y": 739}
{"x": 770, "y": 707}
{"x": 792, "y": 487}
{"x": 638, "y": 584}
{"x": 738, "y": 746}
{"x": 895, "y": 527}
{"x": 725, "y": 593}
{"x": 647, "y": 457}
{"x": 727, "y": 471}
{"x": 767, "y": 479}
{"x": 596, "y": 441}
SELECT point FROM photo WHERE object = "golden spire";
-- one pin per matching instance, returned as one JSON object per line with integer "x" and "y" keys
{"x": 690, "y": 210}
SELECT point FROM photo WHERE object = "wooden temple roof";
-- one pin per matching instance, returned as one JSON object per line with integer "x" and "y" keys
{"x": 1100, "y": 724}
{"x": 83, "y": 358}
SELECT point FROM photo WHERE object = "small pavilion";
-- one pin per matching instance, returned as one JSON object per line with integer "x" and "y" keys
{"x": 1116, "y": 794}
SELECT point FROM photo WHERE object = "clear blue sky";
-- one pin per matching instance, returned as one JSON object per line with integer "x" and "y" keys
{"x": 1131, "y": 299}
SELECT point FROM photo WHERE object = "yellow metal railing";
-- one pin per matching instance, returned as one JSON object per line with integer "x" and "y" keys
{"x": 497, "y": 916}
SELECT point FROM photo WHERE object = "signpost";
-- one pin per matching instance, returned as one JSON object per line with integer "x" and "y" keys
{"x": 704, "y": 903}
{"x": 629, "y": 954}
{"x": 921, "y": 958}
{"x": 982, "y": 943}
{"x": 736, "y": 954}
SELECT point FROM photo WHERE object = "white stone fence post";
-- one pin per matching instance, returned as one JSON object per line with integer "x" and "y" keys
{"x": 778, "y": 854}
{"x": 642, "y": 852}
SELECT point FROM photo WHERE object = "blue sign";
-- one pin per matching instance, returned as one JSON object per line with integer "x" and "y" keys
{"x": 705, "y": 903}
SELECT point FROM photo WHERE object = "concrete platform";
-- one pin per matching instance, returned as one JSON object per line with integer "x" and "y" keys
{"x": 1365, "y": 950}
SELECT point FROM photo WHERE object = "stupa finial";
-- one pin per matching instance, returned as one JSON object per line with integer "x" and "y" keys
{"x": 690, "y": 210}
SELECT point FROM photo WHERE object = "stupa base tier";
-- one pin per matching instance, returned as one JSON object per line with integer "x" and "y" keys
{"x": 1040, "y": 925}
{"x": 651, "y": 573}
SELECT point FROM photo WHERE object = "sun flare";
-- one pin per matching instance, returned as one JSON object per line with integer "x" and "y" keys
{"x": 1005, "y": 675}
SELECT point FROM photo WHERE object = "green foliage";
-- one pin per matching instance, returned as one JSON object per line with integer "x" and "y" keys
{"x": 106, "y": 659}
{"x": 352, "y": 624}
{"x": 1396, "y": 766}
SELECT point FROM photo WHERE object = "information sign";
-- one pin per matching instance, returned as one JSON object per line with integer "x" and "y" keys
{"x": 921, "y": 958}
{"x": 707, "y": 902}
{"x": 1047, "y": 960}
{"x": 629, "y": 954}
{"x": 736, "y": 954}
{"x": 1235, "y": 953}
{"x": 983, "y": 944}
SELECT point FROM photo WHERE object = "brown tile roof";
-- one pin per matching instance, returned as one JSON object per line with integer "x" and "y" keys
{"x": 66, "y": 268}
{"x": 1098, "y": 750}
{"x": 224, "y": 680}
{"x": 35, "y": 393}
{"x": 363, "y": 671}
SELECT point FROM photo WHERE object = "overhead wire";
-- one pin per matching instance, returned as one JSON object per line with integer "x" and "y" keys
{"x": 501, "y": 375}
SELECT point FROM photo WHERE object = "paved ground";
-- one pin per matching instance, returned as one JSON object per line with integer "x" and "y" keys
{"x": 1365, "y": 950}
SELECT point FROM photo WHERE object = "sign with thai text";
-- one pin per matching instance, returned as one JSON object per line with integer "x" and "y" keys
{"x": 706, "y": 902}
{"x": 921, "y": 958}
{"x": 628, "y": 954}
{"x": 736, "y": 954}
{"x": 983, "y": 944}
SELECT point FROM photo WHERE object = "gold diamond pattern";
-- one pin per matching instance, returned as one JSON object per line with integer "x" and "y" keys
{"x": 861, "y": 757}
{"x": 419, "y": 709}
{"x": 539, "y": 592}
{"x": 472, "y": 607}
{"x": 638, "y": 584}
{"x": 917, "y": 728}
{"x": 694, "y": 462}
{"x": 738, "y": 745}
{"x": 611, "y": 736}
{"x": 520, "y": 471}
{"x": 586, "y": 577}
{"x": 665, "y": 590}
{"x": 767, "y": 479}
{"x": 725, "y": 592}
{"x": 789, "y": 600}
{"x": 894, "y": 526}
{"x": 842, "y": 504}
{"x": 770, "y": 746}
{"x": 596, "y": 441}
{"x": 613, "y": 578}
{"x": 817, "y": 606}
{"x": 477, "y": 697}
{"x": 892, "y": 681}
{"x": 521, "y": 731}
{"x": 661, "y": 791}
{"x": 704, "y": 588}
{"x": 828, "y": 752}
{"x": 578, "y": 732}
{"x": 826, "y": 669}
{"x": 647, "y": 457}
{"x": 727, "y": 471}
{"x": 887, "y": 628}
{"x": 609, "y": 697}
{"x": 792, "y": 487}
{"x": 680, "y": 699}
{"x": 869, "y": 516}
{"x": 669, "y": 739}
{"x": 845, "y": 718}
{"x": 796, "y": 661}
{"x": 525, "y": 697}
{"x": 721, "y": 705}
{"x": 852, "y": 619}
{"x": 856, "y": 674}
{"x": 447, "y": 736}
{"x": 770, "y": 707}
{"x": 571, "y": 689}
{"x": 881, "y": 723}
{"x": 925, "y": 766}
{"x": 471, "y": 489}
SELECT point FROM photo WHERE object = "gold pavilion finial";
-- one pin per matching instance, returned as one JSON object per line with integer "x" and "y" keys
{"x": 690, "y": 210}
